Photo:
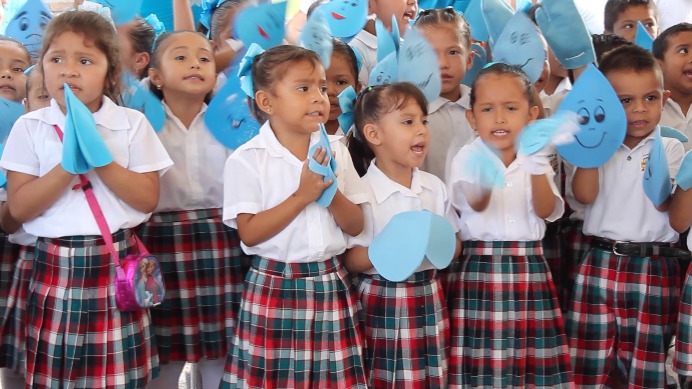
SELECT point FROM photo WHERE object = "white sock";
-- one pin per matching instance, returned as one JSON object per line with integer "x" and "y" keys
{"x": 11, "y": 380}
{"x": 168, "y": 376}
{"x": 212, "y": 372}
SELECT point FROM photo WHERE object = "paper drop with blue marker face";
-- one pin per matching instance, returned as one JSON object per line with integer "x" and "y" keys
{"x": 602, "y": 120}
{"x": 346, "y": 18}
{"x": 261, "y": 24}
{"x": 657, "y": 183}
{"x": 520, "y": 44}
{"x": 418, "y": 64}
{"x": 317, "y": 37}
{"x": 10, "y": 111}
{"x": 386, "y": 71}
{"x": 122, "y": 11}
{"x": 27, "y": 26}
{"x": 642, "y": 37}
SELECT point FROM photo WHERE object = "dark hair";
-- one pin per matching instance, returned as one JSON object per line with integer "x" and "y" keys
{"x": 630, "y": 57}
{"x": 661, "y": 42}
{"x": 269, "y": 67}
{"x": 372, "y": 104}
{"x": 435, "y": 17}
{"x": 603, "y": 43}
{"x": 96, "y": 29}
{"x": 19, "y": 44}
{"x": 219, "y": 14}
{"x": 500, "y": 68}
{"x": 614, "y": 8}
{"x": 141, "y": 36}
{"x": 346, "y": 51}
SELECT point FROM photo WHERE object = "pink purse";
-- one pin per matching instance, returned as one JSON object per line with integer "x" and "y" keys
{"x": 138, "y": 281}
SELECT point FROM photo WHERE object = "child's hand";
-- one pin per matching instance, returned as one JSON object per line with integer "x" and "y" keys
{"x": 312, "y": 184}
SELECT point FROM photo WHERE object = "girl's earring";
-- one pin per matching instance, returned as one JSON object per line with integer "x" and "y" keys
{"x": 158, "y": 87}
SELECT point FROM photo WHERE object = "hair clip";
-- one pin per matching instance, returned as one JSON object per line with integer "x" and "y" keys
{"x": 156, "y": 24}
{"x": 364, "y": 91}
{"x": 208, "y": 7}
{"x": 245, "y": 69}
{"x": 347, "y": 99}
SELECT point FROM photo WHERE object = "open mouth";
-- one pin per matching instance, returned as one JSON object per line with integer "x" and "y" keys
{"x": 418, "y": 149}
{"x": 590, "y": 146}
{"x": 500, "y": 133}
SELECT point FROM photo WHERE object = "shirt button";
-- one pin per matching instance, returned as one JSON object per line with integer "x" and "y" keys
{"x": 629, "y": 158}
{"x": 511, "y": 220}
{"x": 509, "y": 184}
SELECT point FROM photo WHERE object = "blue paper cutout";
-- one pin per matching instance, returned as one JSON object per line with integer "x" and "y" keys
{"x": 496, "y": 14}
{"x": 3, "y": 178}
{"x": 122, "y": 11}
{"x": 642, "y": 37}
{"x": 327, "y": 171}
{"x": 245, "y": 69}
{"x": 156, "y": 24}
{"x": 520, "y": 44}
{"x": 137, "y": 97}
{"x": 540, "y": 133}
{"x": 261, "y": 24}
{"x": 418, "y": 64}
{"x": 386, "y": 71}
{"x": 208, "y": 7}
{"x": 670, "y": 132}
{"x": 684, "y": 177}
{"x": 474, "y": 17}
{"x": 73, "y": 160}
{"x": 409, "y": 238}
{"x": 479, "y": 61}
{"x": 602, "y": 119}
{"x": 387, "y": 42}
{"x": 566, "y": 33}
{"x": 80, "y": 121}
{"x": 228, "y": 116}
{"x": 10, "y": 111}
{"x": 345, "y": 17}
{"x": 657, "y": 183}
{"x": 317, "y": 37}
{"x": 27, "y": 26}
{"x": 346, "y": 98}
{"x": 484, "y": 166}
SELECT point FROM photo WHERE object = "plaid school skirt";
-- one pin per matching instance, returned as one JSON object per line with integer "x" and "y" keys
{"x": 507, "y": 329}
{"x": 297, "y": 328}
{"x": 622, "y": 319}
{"x": 406, "y": 331}
{"x": 203, "y": 268}
{"x": 683, "y": 340}
{"x": 76, "y": 336}
{"x": 554, "y": 254}
{"x": 576, "y": 247}
{"x": 13, "y": 325}
{"x": 10, "y": 253}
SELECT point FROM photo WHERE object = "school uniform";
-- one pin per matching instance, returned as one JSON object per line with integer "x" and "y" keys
{"x": 406, "y": 323}
{"x": 366, "y": 44}
{"x": 673, "y": 116}
{"x": 297, "y": 324}
{"x": 201, "y": 260}
{"x": 682, "y": 361}
{"x": 507, "y": 329}
{"x": 625, "y": 298}
{"x": 76, "y": 336}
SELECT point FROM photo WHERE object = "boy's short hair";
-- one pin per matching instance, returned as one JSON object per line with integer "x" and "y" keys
{"x": 614, "y": 8}
{"x": 633, "y": 58}
{"x": 661, "y": 42}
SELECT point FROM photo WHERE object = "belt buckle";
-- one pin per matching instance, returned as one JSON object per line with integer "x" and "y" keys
{"x": 615, "y": 246}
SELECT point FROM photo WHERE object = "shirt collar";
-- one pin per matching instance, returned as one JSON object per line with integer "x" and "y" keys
{"x": 171, "y": 115}
{"x": 266, "y": 140}
{"x": 464, "y": 101}
{"x": 384, "y": 187}
{"x": 646, "y": 140}
{"x": 109, "y": 116}
{"x": 367, "y": 38}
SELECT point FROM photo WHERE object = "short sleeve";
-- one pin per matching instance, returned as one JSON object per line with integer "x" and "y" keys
{"x": 20, "y": 154}
{"x": 349, "y": 182}
{"x": 675, "y": 153}
{"x": 364, "y": 239}
{"x": 147, "y": 153}
{"x": 242, "y": 191}
{"x": 449, "y": 213}
{"x": 559, "y": 202}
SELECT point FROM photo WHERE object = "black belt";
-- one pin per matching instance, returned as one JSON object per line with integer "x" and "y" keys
{"x": 634, "y": 249}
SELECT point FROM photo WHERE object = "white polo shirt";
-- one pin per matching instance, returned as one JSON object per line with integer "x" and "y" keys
{"x": 622, "y": 211}
{"x": 510, "y": 215}
{"x": 262, "y": 173}
{"x": 20, "y": 237}
{"x": 366, "y": 44}
{"x": 389, "y": 198}
{"x": 449, "y": 132}
{"x": 578, "y": 209}
{"x": 673, "y": 117}
{"x": 196, "y": 179}
{"x": 34, "y": 148}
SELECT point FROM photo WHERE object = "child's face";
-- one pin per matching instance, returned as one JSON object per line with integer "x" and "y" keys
{"x": 545, "y": 73}
{"x": 339, "y": 77}
{"x": 403, "y": 10}
{"x": 127, "y": 54}
{"x": 626, "y": 23}
{"x": 298, "y": 102}
{"x": 73, "y": 59}
{"x": 36, "y": 96}
{"x": 403, "y": 136}
{"x": 677, "y": 64}
{"x": 186, "y": 68}
{"x": 454, "y": 58}
{"x": 501, "y": 110}
{"x": 642, "y": 96}
{"x": 13, "y": 62}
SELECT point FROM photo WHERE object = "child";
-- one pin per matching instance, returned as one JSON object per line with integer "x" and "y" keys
{"x": 14, "y": 60}
{"x": 625, "y": 297}
{"x": 76, "y": 337}
{"x": 297, "y": 325}
{"x": 681, "y": 220}
{"x": 201, "y": 259}
{"x": 621, "y": 17}
{"x": 406, "y": 323}
{"x": 366, "y": 40}
{"x": 342, "y": 73}
{"x": 507, "y": 329}
{"x": 36, "y": 94}
{"x": 449, "y": 35}
{"x": 136, "y": 40}
{"x": 673, "y": 50}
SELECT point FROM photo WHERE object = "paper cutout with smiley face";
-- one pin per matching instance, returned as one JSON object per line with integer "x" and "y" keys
{"x": 602, "y": 119}
{"x": 316, "y": 36}
{"x": 642, "y": 38}
{"x": 261, "y": 24}
{"x": 657, "y": 183}
{"x": 122, "y": 11}
{"x": 345, "y": 17}
{"x": 520, "y": 44}
{"x": 27, "y": 26}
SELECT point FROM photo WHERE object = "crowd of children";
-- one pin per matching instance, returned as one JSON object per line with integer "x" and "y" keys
{"x": 563, "y": 276}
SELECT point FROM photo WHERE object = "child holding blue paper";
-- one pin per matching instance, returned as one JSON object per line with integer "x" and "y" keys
{"x": 506, "y": 324}
{"x": 136, "y": 41}
{"x": 342, "y": 73}
{"x": 297, "y": 325}
{"x": 201, "y": 260}
{"x": 92, "y": 344}
{"x": 625, "y": 298}
{"x": 406, "y": 322}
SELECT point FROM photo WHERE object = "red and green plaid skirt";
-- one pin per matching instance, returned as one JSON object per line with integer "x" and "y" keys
{"x": 203, "y": 268}
{"x": 297, "y": 328}
{"x": 13, "y": 326}
{"x": 76, "y": 337}
{"x": 507, "y": 328}
{"x": 683, "y": 338}
{"x": 10, "y": 253}
{"x": 406, "y": 331}
{"x": 576, "y": 247}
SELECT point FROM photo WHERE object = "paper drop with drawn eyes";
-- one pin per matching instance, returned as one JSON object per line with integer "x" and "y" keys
{"x": 601, "y": 117}
{"x": 520, "y": 44}
{"x": 642, "y": 37}
{"x": 122, "y": 11}
{"x": 418, "y": 64}
{"x": 656, "y": 182}
{"x": 27, "y": 26}
{"x": 261, "y": 24}
{"x": 346, "y": 18}
{"x": 10, "y": 111}
{"x": 386, "y": 71}
{"x": 496, "y": 14}
{"x": 317, "y": 37}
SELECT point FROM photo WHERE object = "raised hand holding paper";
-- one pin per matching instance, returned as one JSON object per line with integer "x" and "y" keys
{"x": 317, "y": 37}
{"x": 136, "y": 97}
{"x": 327, "y": 171}
{"x": 346, "y": 99}
{"x": 261, "y": 24}
{"x": 418, "y": 65}
{"x": 520, "y": 44}
{"x": 27, "y": 26}
{"x": 10, "y": 111}
{"x": 642, "y": 38}
{"x": 566, "y": 33}
{"x": 556, "y": 130}
{"x": 90, "y": 144}
{"x": 684, "y": 177}
{"x": 485, "y": 168}
{"x": 345, "y": 17}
